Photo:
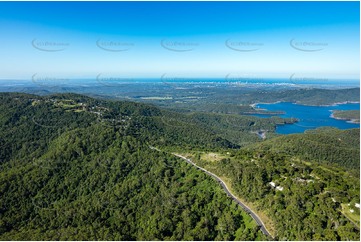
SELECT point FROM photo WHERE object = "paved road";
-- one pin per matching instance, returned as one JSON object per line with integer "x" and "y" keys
{"x": 229, "y": 193}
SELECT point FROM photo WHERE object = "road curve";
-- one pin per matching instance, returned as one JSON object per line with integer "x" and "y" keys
{"x": 229, "y": 193}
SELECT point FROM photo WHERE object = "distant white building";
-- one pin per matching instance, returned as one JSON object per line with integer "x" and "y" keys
{"x": 279, "y": 188}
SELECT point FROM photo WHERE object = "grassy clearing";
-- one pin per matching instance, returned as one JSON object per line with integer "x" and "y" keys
{"x": 212, "y": 156}
{"x": 353, "y": 217}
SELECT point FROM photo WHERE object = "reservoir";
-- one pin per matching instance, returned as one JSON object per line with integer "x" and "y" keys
{"x": 310, "y": 117}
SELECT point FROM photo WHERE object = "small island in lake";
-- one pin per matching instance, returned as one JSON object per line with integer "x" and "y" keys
{"x": 352, "y": 116}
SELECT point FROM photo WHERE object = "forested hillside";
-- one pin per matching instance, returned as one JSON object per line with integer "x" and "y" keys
{"x": 96, "y": 184}
{"x": 329, "y": 146}
{"x": 305, "y": 198}
{"x": 79, "y": 168}
{"x": 71, "y": 170}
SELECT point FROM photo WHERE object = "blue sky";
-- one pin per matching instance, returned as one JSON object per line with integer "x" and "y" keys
{"x": 195, "y": 39}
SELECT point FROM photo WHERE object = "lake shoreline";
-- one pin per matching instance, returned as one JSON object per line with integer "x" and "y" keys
{"x": 253, "y": 105}
{"x": 330, "y": 105}
{"x": 263, "y": 111}
{"x": 348, "y": 120}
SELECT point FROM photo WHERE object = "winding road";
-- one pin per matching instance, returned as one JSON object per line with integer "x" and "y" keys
{"x": 229, "y": 193}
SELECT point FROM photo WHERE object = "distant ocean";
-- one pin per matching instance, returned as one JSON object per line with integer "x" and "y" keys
{"x": 232, "y": 81}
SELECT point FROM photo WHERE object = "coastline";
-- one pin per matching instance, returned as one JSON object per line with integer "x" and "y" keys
{"x": 331, "y": 105}
{"x": 348, "y": 120}
{"x": 253, "y": 105}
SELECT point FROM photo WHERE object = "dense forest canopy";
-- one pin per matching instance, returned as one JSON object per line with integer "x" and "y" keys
{"x": 74, "y": 167}
{"x": 308, "y": 193}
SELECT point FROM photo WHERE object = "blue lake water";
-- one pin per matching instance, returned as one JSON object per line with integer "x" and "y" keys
{"x": 310, "y": 117}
